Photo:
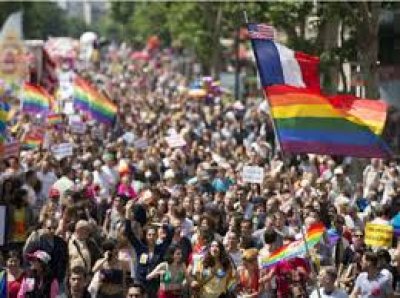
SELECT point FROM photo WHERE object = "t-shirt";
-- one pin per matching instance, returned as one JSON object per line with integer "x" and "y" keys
{"x": 337, "y": 293}
{"x": 377, "y": 287}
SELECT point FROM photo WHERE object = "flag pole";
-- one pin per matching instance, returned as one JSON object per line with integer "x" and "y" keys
{"x": 296, "y": 206}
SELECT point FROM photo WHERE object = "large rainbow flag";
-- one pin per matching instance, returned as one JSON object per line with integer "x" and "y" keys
{"x": 35, "y": 99}
{"x": 295, "y": 248}
{"x": 90, "y": 100}
{"x": 309, "y": 122}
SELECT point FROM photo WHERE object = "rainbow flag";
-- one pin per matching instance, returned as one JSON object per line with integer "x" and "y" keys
{"x": 295, "y": 248}
{"x": 309, "y": 122}
{"x": 90, "y": 100}
{"x": 35, "y": 99}
{"x": 33, "y": 139}
{"x": 54, "y": 119}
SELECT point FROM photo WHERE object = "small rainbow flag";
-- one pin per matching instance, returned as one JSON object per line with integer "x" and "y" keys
{"x": 90, "y": 100}
{"x": 295, "y": 248}
{"x": 35, "y": 99}
{"x": 33, "y": 139}
{"x": 54, "y": 119}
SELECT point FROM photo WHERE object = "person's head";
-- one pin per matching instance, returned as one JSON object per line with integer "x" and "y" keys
{"x": 82, "y": 229}
{"x": 384, "y": 258}
{"x": 216, "y": 254}
{"x": 207, "y": 223}
{"x": 328, "y": 278}
{"x": 357, "y": 238}
{"x": 250, "y": 257}
{"x": 150, "y": 235}
{"x": 369, "y": 261}
{"x": 39, "y": 261}
{"x": 270, "y": 236}
{"x": 110, "y": 247}
{"x": 232, "y": 240}
{"x": 136, "y": 290}
{"x": 77, "y": 280}
{"x": 246, "y": 227}
{"x": 174, "y": 255}
{"x": 14, "y": 260}
{"x": 50, "y": 227}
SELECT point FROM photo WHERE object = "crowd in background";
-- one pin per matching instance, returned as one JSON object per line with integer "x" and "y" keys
{"x": 123, "y": 218}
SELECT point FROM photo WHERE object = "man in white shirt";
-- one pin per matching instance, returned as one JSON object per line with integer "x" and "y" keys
{"x": 47, "y": 177}
{"x": 99, "y": 177}
{"x": 328, "y": 289}
{"x": 109, "y": 171}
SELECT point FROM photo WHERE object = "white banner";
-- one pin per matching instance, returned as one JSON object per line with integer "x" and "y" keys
{"x": 78, "y": 127}
{"x": 141, "y": 143}
{"x": 253, "y": 174}
{"x": 62, "y": 150}
{"x": 175, "y": 141}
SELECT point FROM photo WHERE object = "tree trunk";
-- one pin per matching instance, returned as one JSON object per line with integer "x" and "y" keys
{"x": 328, "y": 37}
{"x": 368, "y": 46}
{"x": 216, "y": 65}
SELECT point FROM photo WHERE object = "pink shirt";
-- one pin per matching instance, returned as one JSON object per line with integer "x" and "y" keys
{"x": 28, "y": 285}
{"x": 127, "y": 190}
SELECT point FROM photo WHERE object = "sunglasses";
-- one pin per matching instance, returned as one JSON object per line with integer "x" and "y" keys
{"x": 358, "y": 235}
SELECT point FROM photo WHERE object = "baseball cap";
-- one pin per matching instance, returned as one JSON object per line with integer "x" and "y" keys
{"x": 39, "y": 255}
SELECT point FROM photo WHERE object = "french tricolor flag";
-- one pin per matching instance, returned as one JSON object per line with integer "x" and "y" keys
{"x": 278, "y": 64}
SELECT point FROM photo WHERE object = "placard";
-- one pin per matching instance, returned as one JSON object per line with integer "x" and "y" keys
{"x": 175, "y": 141}
{"x": 62, "y": 150}
{"x": 141, "y": 143}
{"x": 11, "y": 149}
{"x": 78, "y": 127}
{"x": 378, "y": 235}
{"x": 253, "y": 174}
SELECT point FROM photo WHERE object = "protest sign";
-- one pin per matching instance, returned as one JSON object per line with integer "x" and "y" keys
{"x": 78, "y": 127}
{"x": 10, "y": 149}
{"x": 62, "y": 150}
{"x": 175, "y": 141}
{"x": 253, "y": 174}
{"x": 378, "y": 235}
{"x": 141, "y": 143}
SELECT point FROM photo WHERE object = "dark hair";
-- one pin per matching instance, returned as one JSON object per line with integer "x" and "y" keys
{"x": 14, "y": 254}
{"x": 19, "y": 195}
{"x": 384, "y": 255}
{"x": 210, "y": 221}
{"x": 109, "y": 245}
{"x": 209, "y": 260}
{"x": 29, "y": 174}
{"x": 139, "y": 285}
{"x": 270, "y": 236}
{"x": 169, "y": 255}
{"x": 372, "y": 258}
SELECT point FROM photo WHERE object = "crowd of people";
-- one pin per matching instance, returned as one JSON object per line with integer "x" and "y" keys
{"x": 131, "y": 215}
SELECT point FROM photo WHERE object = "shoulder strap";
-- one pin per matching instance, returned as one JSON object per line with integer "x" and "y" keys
{"x": 80, "y": 253}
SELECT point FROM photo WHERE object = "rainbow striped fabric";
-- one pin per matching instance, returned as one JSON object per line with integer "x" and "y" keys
{"x": 309, "y": 122}
{"x": 295, "y": 248}
{"x": 34, "y": 138}
{"x": 35, "y": 99}
{"x": 3, "y": 283}
{"x": 90, "y": 100}
{"x": 54, "y": 119}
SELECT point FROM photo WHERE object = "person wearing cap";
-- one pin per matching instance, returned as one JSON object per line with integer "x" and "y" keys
{"x": 46, "y": 240}
{"x": 329, "y": 290}
{"x": 248, "y": 275}
{"x": 39, "y": 281}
